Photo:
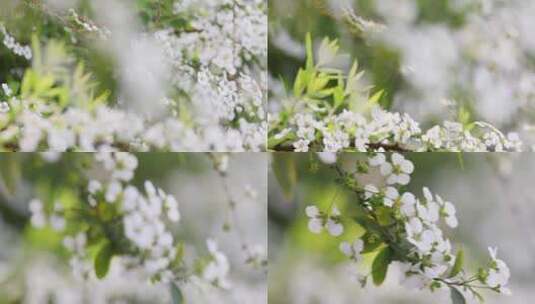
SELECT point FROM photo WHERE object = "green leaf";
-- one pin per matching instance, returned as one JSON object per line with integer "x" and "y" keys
{"x": 285, "y": 171}
{"x": 339, "y": 92}
{"x": 103, "y": 260}
{"x": 380, "y": 266}
{"x": 458, "y": 266}
{"x": 176, "y": 294}
{"x": 318, "y": 83}
{"x": 354, "y": 69}
{"x": 300, "y": 83}
{"x": 456, "y": 296}
{"x": 376, "y": 97}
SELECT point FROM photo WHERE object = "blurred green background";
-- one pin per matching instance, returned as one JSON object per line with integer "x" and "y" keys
{"x": 323, "y": 18}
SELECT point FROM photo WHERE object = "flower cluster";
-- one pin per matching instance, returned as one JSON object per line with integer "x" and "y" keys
{"x": 319, "y": 221}
{"x": 211, "y": 99}
{"x": 88, "y": 25}
{"x": 52, "y": 128}
{"x": 41, "y": 219}
{"x": 17, "y": 48}
{"x": 484, "y": 57}
{"x": 406, "y": 229}
{"x": 144, "y": 221}
{"x": 220, "y": 63}
{"x": 76, "y": 244}
{"x": 129, "y": 224}
{"x": 217, "y": 269}
{"x": 344, "y": 117}
{"x": 384, "y": 131}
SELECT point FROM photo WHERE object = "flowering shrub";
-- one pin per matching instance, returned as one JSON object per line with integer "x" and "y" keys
{"x": 104, "y": 219}
{"x": 330, "y": 110}
{"x": 191, "y": 79}
{"x": 478, "y": 54}
{"x": 401, "y": 228}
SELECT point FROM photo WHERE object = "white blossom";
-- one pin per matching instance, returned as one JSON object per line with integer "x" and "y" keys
{"x": 217, "y": 269}
{"x": 499, "y": 274}
{"x": 319, "y": 221}
{"x": 352, "y": 250}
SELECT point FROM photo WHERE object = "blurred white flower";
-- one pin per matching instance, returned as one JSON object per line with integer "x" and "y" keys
{"x": 352, "y": 250}
{"x": 319, "y": 221}
{"x": 327, "y": 157}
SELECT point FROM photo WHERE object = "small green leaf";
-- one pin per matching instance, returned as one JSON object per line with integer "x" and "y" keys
{"x": 354, "y": 69}
{"x": 176, "y": 294}
{"x": 456, "y": 296}
{"x": 458, "y": 266}
{"x": 103, "y": 260}
{"x": 300, "y": 83}
{"x": 318, "y": 83}
{"x": 285, "y": 171}
{"x": 376, "y": 97}
{"x": 380, "y": 266}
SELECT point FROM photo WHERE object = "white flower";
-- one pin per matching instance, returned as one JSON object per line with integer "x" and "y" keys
{"x": 429, "y": 212}
{"x": 114, "y": 190}
{"x": 414, "y": 226}
{"x": 57, "y": 222}
{"x": 334, "y": 226}
{"x": 377, "y": 160}
{"x": 217, "y": 269}
{"x": 435, "y": 271}
{"x": 301, "y": 145}
{"x": 38, "y": 218}
{"x": 315, "y": 223}
{"x": 370, "y": 190}
{"x": 7, "y": 90}
{"x": 76, "y": 243}
{"x": 399, "y": 171}
{"x": 319, "y": 221}
{"x": 125, "y": 165}
{"x": 4, "y": 107}
{"x": 172, "y": 208}
{"x": 94, "y": 186}
{"x": 130, "y": 198}
{"x": 391, "y": 194}
{"x": 411, "y": 277}
{"x": 328, "y": 158}
{"x": 447, "y": 210}
{"x": 424, "y": 241}
{"x": 499, "y": 273}
{"x": 408, "y": 202}
{"x": 434, "y": 137}
{"x": 354, "y": 250}
{"x": 444, "y": 247}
